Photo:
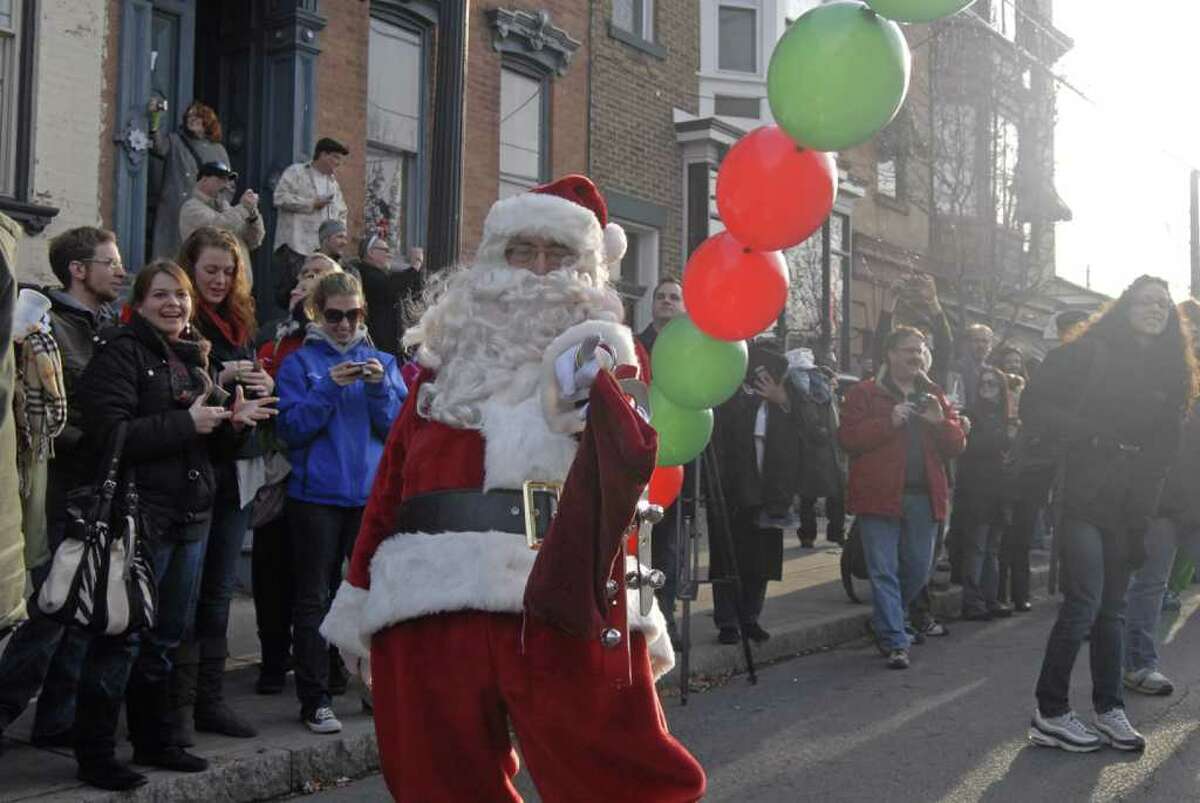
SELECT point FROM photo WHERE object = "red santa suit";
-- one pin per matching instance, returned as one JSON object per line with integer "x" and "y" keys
{"x": 453, "y": 659}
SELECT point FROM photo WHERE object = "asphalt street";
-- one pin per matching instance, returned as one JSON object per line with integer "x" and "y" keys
{"x": 838, "y": 726}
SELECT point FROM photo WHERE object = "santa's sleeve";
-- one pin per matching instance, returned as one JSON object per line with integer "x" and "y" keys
{"x": 343, "y": 624}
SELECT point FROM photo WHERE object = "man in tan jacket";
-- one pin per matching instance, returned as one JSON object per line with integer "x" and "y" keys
{"x": 12, "y": 542}
{"x": 208, "y": 207}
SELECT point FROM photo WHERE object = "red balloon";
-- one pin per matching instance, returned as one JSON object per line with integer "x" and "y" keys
{"x": 772, "y": 193}
{"x": 732, "y": 292}
{"x": 665, "y": 484}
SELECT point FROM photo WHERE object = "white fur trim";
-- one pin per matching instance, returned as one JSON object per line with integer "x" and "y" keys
{"x": 615, "y": 243}
{"x": 561, "y": 414}
{"x": 343, "y": 625}
{"x": 537, "y": 214}
{"x": 519, "y": 445}
{"x": 415, "y": 575}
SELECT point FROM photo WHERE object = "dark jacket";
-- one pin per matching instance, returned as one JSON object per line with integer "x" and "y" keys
{"x": 1181, "y": 495}
{"x": 76, "y": 330}
{"x": 129, "y": 380}
{"x": 387, "y": 293}
{"x": 1119, "y": 442}
{"x": 980, "y": 470}
{"x": 822, "y": 470}
{"x": 877, "y": 450}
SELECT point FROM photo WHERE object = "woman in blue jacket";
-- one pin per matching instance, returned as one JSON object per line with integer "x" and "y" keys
{"x": 338, "y": 396}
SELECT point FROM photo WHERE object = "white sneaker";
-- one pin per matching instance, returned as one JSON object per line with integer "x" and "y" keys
{"x": 323, "y": 721}
{"x": 1148, "y": 681}
{"x": 1115, "y": 729}
{"x": 1067, "y": 732}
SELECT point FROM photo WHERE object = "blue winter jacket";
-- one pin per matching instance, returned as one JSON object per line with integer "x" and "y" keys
{"x": 335, "y": 435}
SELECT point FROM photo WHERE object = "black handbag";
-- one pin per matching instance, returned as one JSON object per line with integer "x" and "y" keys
{"x": 101, "y": 577}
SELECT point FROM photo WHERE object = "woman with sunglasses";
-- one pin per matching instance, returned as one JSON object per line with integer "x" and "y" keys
{"x": 979, "y": 500}
{"x": 338, "y": 396}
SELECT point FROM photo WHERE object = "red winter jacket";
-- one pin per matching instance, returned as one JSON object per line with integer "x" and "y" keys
{"x": 877, "y": 451}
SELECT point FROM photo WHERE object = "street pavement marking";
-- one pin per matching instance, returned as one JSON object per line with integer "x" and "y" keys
{"x": 992, "y": 770}
{"x": 1189, "y": 607}
{"x": 832, "y": 747}
{"x": 1118, "y": 781}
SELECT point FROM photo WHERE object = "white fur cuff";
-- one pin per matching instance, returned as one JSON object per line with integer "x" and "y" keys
{"x": 343, "y": 624}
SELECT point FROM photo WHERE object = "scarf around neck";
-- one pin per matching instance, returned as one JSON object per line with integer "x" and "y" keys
{"x": 231, "y": 329}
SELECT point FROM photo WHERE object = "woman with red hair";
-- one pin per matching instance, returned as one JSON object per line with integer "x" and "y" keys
{"x": 196, "y": 141}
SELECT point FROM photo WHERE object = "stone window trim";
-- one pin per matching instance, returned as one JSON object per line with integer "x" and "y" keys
{"x": 20, "y": 205}
{"x": 531, "y": 36}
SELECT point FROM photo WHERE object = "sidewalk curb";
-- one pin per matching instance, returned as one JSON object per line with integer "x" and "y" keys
{"x": 788, "y": 643}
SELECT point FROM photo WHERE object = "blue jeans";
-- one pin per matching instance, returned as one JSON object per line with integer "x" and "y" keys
{"x": 1146, "y": 589}
{"x": 1094, "y": 582}
{"x": 899, "y": 556}
{"x": 46, "y": 655}
{"x": 225, "y": 539}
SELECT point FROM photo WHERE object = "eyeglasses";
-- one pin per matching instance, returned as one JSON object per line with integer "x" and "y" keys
{"x": 335, "y": 316}
{"x": 108, "y": 263}
{"x": 523, "y": 255}
{"x": 990, "y": 384}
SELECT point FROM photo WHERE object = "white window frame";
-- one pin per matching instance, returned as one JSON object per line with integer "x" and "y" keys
{"x": 10, "y": 100}
{"x": 511, "y": 183}
{"x": 746, "y": 5}
{"x": 648, "y": 240}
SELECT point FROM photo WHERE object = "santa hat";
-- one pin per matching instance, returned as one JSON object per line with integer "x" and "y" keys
{"x": 570, "y": 211}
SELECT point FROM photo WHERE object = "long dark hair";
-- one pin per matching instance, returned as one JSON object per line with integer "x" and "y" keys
{"x": 1170, "y": 353}
{"x": 1001, "y": 403}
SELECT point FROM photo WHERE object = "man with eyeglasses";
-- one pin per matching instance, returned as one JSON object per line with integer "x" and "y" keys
{"x": 44, "y": 654}
{"x": 470, "y": 621}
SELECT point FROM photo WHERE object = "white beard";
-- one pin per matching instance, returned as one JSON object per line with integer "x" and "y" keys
{"x": 486, "y": 330}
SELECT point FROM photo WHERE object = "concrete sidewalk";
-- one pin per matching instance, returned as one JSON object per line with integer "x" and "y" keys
{"x": 807, "y": 611}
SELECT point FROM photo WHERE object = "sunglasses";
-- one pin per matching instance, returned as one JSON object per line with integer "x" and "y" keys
{"x": 335, "y": 316}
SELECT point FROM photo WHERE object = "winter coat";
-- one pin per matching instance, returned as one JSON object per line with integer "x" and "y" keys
{"x": 878, "y": 450}
{"x": 335, "y": 434}
{"x": 822, "y": 465}
{"x": 386, "y": 293}
{"x": 129, "y": 380}
{"x": 12, "y": 542}
{"x": 200, "y": 210}
{"x": 178, "y": 181}
{"x": 981, "y": 468}
{"x": 1180, "y": 500}
{"x": 1119, "y": 443}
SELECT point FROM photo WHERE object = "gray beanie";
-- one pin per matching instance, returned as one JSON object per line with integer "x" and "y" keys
{"x": 330, "y": 228}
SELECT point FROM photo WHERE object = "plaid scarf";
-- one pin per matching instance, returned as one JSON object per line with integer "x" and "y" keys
{"x": 40, "y": 402}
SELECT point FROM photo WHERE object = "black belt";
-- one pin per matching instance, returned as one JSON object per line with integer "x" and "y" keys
{"x": 474, "y": 511}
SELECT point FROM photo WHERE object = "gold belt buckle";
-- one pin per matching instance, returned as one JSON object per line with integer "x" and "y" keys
{"x": 535, "y": 529}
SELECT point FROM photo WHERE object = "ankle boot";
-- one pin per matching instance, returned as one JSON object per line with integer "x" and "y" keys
{"x": 184, "y": 670}
{"x": 108, "y": 773}
{"x": 212, "y": 715}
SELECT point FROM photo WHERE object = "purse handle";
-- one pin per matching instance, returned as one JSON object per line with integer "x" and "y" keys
{"x": 116, "y": 448}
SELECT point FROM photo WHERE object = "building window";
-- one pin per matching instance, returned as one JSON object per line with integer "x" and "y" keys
{"x": 887, "y": 178}
{"x": 1005, "y": 147}
{"x": 1004, "y": 18}
{"x": 635, "y": 17}
{"x": 524, "y": 130}
{"x": 637, "y": 273}
{"x": 10, "y": 71}
{"x": 954, "y": 169}
{"x": 396, "y": 80}
{"x": 733, "y": 106}
{"x": 737, "y": 32}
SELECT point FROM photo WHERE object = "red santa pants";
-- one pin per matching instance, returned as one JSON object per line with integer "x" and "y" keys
{"x": 446, "y": 686}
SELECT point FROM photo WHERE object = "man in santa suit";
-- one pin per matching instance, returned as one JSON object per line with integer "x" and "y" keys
{"x": 509, "y": 349}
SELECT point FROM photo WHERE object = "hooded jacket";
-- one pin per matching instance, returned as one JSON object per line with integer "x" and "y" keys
{"x": 335, "y": 435}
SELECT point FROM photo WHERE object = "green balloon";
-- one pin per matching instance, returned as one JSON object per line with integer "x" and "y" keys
{"x": 694, "y": 370}
{"x": 838, "y": 75}
{"x": 917, "y": 10}
{"x": 682, "y": 433}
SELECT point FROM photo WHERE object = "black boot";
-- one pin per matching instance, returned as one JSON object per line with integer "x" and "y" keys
{"x": 108, "y": 773}
{"x": 151, "y": 730}
{"x": 212, "y": 714}
{"x": 184, "y": 673}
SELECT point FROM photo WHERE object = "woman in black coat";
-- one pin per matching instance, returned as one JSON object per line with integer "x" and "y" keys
{"x": 979, "y": 497}
{"x": 152, "y": 375}
{"x": 1114, "y": 396}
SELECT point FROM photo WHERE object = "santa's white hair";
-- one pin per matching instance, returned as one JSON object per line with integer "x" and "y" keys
{"x": 487, "y": 328}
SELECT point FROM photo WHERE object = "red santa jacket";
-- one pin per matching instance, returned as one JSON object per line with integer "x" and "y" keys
{"x": 877, "y": 451}
{"x": 394, "y": 577}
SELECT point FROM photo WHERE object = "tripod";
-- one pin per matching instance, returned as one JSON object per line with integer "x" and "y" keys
{"x": 688, "y": 562}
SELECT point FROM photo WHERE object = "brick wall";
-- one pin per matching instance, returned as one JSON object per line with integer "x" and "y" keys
{"x": 342, "y": 96}
{"x": 634, "y": 94}
{"x": 481, "y": 135}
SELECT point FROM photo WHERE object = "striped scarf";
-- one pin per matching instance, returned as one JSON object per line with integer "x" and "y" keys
{"x": 40, "y": 403}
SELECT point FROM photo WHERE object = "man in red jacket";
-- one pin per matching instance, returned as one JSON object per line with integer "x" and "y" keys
{"x": 899, "y": 431}
{"x": 434, "y": 593}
